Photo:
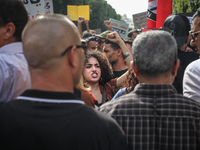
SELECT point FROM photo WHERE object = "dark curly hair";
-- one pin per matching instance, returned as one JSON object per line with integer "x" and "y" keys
{"x": 106, "y": 73}
{"x": 130, "y": 82}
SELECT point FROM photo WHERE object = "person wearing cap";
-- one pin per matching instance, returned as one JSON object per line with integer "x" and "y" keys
{"x": 191, "y": 80}
{"x": 154, "y": 116}
{"x": 129, "y": 42}
{"x": 92, "y": 43}
{"x": 101, "y": 39}
{"x": 133, "y": 33}
{"x": 180, "y": 26}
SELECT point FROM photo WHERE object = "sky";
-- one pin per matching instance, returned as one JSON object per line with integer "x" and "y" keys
{"x": 128, "y": 7}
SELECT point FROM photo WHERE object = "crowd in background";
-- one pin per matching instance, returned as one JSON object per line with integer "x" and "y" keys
{"x": 64, "y": 88}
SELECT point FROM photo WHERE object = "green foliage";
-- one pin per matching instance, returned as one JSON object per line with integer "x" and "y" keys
{"x": 99, "y": 11}
{"x": 129, "y": 29}
{"x": 185, "y": 6}
{"x": 119, "y": 17}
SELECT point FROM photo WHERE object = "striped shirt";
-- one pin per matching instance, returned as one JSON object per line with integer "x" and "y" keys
{"x": 155, "y": 117}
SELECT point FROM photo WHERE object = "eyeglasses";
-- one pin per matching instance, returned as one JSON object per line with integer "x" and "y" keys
{"x": 194, "y": 35}
{"x": 83, "y": 45}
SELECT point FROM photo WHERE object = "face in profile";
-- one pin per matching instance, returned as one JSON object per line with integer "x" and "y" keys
{"x": 110, "y": 54}
{"x": 92, "y": 71}
{"x": 134, "y": 35}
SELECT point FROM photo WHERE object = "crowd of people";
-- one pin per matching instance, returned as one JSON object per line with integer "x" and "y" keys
{"x": 64, "y": 88}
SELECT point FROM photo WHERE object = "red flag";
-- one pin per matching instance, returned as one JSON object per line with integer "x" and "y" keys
{"x": 151, "y": 14}
{"x": 164, "y": 9}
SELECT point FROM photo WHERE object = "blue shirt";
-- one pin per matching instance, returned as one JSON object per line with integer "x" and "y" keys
{"x": 14, "y": 73}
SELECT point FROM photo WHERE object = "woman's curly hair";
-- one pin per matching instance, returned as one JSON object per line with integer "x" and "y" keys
{"x": 130, "y": 82}
{"x": 106, "y": 73}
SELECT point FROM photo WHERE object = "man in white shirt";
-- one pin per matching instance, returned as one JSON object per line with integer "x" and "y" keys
{"x": 14, "y": 73}
{"x": 191, "y": 79}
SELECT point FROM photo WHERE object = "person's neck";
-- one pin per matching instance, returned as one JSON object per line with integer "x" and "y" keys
{"x": 119, "y": 65}
{"x": 157, "y": 80}
{"x": 93, "y": 86}
{"x": 52, "y": 83}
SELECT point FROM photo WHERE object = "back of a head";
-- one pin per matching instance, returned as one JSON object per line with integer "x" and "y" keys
{"x": 13, "y": 11}
{"x": 154, "y": 53}
{"x": 115, "y": 46}
{"x": 46, "y": 37}
{"x": 180, "y": 26}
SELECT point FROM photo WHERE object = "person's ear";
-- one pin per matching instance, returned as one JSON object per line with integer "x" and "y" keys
{"x": 71, "y": 56}
{"x": 175, "y": 67}
{"x": 119, "y": 52}
{"x": 9, "y": 31}
{"x": 134, "y": 68}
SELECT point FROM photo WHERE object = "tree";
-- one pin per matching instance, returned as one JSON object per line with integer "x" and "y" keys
{"x": 99, "y": 11}
{"x": 185, "y": 6}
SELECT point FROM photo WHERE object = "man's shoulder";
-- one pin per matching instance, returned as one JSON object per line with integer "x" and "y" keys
{"x": 133, "y": 100}
{"x": 120, "y": 102}
{"x": 194, "y": 65}
{"x": 19, "y": 107}
{"x": 12, "y": 56}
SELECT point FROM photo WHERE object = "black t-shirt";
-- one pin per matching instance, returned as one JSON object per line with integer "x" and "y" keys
{"x": 185, "y": 59}
{"x": 117, "y": 74}
{"x": 38, "y": 121}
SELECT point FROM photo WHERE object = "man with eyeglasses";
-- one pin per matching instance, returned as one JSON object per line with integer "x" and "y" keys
{"x": 180, "y": 26}
{"x": 191, "y": 80}
{"x": 49, "y": 115}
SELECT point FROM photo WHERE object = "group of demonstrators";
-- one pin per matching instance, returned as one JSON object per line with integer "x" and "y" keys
{"x": 62, "y": 88}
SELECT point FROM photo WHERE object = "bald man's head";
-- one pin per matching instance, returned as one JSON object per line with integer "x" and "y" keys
{"x": 46, "y": 37}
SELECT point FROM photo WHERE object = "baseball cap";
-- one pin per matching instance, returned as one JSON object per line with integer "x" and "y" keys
{"x": 104, "y": 34}
{"x": 180, "y": 26}
{"x": 128, "y": 40}
{"x": 133, "y": 31}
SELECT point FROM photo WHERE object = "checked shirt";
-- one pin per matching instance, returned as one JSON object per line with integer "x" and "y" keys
{"x": 155, "y": 117}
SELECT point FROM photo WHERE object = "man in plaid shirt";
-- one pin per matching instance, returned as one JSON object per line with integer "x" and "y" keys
{"x": 154, "y": 116}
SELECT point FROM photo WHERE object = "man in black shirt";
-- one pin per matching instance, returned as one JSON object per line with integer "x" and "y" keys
{"x": 49, "y": 115}
{"x": 181, "y": 27}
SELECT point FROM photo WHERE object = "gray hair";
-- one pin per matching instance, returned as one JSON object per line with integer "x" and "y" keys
{"x": 154, "y": 53}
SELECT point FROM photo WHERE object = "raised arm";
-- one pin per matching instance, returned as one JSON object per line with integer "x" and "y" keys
{"x": 79, "y": 25}
{"x": 107, "y": 23}
{"x": 87, "y": 26}
{"x": 115, "y": 37}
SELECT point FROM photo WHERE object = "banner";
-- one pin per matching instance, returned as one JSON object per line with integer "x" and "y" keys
{"x": 120, "y": 27}
{"x": 164, "y": 9}
{"x": 37, "y": 7}
{"x": 151, "y": 14}
{"x": 48, "y": 6}
{"x": 158, "y": 11}
{"x": 75, "y": 11}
